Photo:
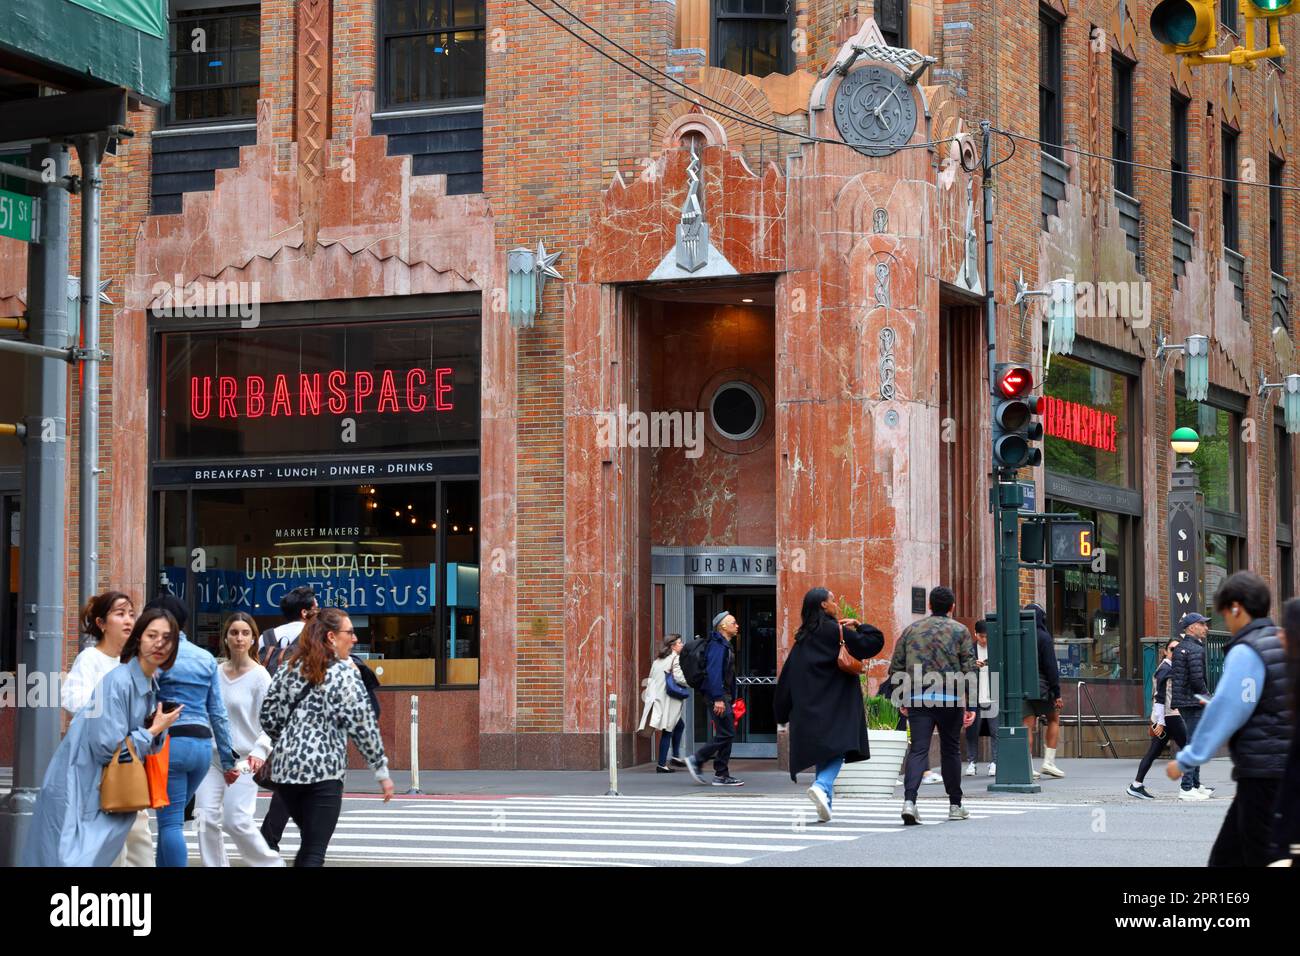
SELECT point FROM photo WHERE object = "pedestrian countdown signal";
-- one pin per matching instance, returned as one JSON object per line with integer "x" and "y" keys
{"x": 1071, "y": 542}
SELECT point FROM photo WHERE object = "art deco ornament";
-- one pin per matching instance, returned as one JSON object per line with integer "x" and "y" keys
{"x": 528, "y": 272}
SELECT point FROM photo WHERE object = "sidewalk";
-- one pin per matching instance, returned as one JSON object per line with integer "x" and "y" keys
{"x": 1092, "y": 780}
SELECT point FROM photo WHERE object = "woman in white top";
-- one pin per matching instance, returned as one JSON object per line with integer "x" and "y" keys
{"x": 107, "y": 618}
{"x": 225, "y": 802}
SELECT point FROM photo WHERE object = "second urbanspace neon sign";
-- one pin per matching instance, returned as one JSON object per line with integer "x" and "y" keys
{"x": 1079, "y": 423}
{"x": 336, "y": 392}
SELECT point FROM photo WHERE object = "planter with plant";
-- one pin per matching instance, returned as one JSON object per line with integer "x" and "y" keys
{"x": 877, "y": 776}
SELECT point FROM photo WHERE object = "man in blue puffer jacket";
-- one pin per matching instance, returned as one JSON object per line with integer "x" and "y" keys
{"x": 720, "y": 688}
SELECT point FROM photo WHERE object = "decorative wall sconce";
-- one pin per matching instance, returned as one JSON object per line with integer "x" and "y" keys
{"x": 1290, "y": 398}
{"x": 529, "y": 271}
{"x": 1060, "y": 312}
{"x": 1196, "y": 368}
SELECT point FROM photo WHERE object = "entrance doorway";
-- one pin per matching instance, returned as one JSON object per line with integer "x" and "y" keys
{"x": 755, "y": 611}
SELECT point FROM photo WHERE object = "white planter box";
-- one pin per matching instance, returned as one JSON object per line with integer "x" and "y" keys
{"x": 875, "y": 777}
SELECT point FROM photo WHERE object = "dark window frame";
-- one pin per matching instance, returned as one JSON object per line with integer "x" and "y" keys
{"x": 898, "y": 8}
{"x": 1051, "y": 80}
{"x": 219, "y": 11}
{"x": 1276, "y": 215}
{"x": 718, "y": 16}
{"x": 1121, "y": 121}
{"x": 1228, "y": 14}
{"x": 383, "y": 35}
{"x": 1229, "y": 166}
{"x": 1180, "y": 108}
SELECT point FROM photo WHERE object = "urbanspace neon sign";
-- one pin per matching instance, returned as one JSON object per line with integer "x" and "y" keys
{"x": 1079, "y": 423}
{"x": 336, "y": 392}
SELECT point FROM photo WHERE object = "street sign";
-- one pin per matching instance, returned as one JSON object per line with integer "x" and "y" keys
{"x": 18, "y": 216}
{"x": 1071, "y": 542}
{"x": 1031, "y": 496}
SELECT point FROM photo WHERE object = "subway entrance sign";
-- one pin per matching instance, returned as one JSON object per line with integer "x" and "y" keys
{"x": 18, "y": 216}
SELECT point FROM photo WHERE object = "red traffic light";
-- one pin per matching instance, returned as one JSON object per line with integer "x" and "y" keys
{"x": 1015, "y": 381}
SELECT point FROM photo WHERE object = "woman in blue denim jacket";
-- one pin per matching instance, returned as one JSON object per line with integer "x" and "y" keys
{"x": 68, "y": 827}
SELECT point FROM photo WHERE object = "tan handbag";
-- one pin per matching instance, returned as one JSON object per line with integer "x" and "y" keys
{"x": 124, "y": 788}
{"x": 846, "y": 661}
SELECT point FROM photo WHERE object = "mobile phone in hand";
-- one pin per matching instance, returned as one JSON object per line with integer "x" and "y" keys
{"x": 170, "y": 705}
{"x": 1202, "y": 699}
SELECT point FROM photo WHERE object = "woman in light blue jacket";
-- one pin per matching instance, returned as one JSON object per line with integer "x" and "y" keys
{"x": 68, "y": 827}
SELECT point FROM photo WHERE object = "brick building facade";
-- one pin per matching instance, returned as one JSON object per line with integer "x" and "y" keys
{"x": 365, "y": 195}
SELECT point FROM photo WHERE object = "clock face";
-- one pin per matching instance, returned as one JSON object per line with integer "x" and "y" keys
{"x": 875, "y": 110}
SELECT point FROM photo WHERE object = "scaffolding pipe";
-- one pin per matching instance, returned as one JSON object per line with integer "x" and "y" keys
{"x": 89, "y": 152}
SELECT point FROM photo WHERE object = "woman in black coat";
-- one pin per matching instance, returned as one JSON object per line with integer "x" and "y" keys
{"x": 821, "y": 703}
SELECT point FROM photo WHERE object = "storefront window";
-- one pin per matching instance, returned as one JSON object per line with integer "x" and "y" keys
{"x": 1086, "y": 422}
{"x": 370, "y": 549}
{"x": 1086, "y": 607}
{"x": 1222, "y": 558}
{"x": 1216, "y": 458}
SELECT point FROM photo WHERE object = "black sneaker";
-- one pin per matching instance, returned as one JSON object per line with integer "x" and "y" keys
{"x": 693, "y": 769}
{"x": 727, "y": 782}
{"x": 677, "y": 762}
{"x": 1139, "y": 791}
{"x": 659, "y": 769}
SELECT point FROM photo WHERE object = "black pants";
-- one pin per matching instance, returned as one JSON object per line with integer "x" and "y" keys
{"x": 277, "y": 815}
{"x": 1246, "y": 837}
{"x": 1175, "y": 732}
{"x": 924, "y": 721}
{"x": 1191, "y": 717}
{"x": 719, "y": 748}
{"x": 315, "y": 808}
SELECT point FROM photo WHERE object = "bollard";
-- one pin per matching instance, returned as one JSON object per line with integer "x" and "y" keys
{"x": 613, "y": 747}
{"x": 415, "y": 747}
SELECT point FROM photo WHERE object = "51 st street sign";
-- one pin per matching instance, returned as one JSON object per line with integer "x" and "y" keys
{"x": 19, "y": 216}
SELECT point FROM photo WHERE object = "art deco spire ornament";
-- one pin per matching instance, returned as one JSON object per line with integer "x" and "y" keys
{"x": 528, "y": 272}
{"x": 692, "y": 248}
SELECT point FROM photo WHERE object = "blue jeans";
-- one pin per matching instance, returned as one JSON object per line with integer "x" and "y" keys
{"x": 674, "y": 738}
{"x": 826, "y": 774}
{"x": 1191, "y": 717}
{"x": 186, "y": 767}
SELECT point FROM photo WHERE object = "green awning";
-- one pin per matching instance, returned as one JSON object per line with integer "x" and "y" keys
{"x": 145, "y": 15}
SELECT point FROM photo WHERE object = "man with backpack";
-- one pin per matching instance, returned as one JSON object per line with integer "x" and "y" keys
{"x": 710, "y": 667}
{"x": 298, "y": 607}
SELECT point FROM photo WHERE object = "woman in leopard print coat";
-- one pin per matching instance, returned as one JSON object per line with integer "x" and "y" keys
{"x": 314, "y": 704}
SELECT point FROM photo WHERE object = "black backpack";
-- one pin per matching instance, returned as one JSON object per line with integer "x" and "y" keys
{"x": 694, "y": 661}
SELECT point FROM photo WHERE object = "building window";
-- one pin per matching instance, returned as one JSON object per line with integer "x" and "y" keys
{"x": 737, "y": 411}
{"x": 1049, "y": 81}
{"x": 1230, "y": 172}
{"x": 1178, "y": 110}
{"x": 1276, "y": 247}
{"x": 432, "y": 52}
{"x": 1228, "y": 14}
{"x": 752, "y": 37}
{"x": 1086, "y": 422}
{"x": 1121, "y": 123}
{"x": 215, "y": 61}
{"x": 1283, "y": 492}
{"x": 891, "y": 17}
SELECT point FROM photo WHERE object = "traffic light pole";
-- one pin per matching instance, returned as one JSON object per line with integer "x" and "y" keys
{"x": 1006, "y": 638}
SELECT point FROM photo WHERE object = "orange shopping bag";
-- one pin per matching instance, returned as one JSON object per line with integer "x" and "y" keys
{"x": 155, "y": 771}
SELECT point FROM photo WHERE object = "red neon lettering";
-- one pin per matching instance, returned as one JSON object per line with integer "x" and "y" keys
{"x": 254, "y": 396}
{"x": 363, "y": 386}
{"x": 411, "y": 404}
{"x": 198, "y": 410}
{"x": 441, "y": 388}
{"x": 226, "y": 389}
{"x": 1111, "y": 422}
{"x": 309, "y": 394}
{"x": 280, "y": 398}
{"x": 338, "y": 400}
{"x": 388, "y": 392}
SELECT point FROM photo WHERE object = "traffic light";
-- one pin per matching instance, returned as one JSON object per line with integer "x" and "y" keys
{"x": 1263, "y": 9}
{"x": 1187, "y": 26}
{"x": 1013, "y": 425}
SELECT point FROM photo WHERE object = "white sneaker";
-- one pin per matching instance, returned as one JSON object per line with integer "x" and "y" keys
{"x": 993, "y": 770}
{"x": 1208, "y": 791}
{"x": 819, "y": 800}
{"x": 1037, "y": 774}
{"x": 1192, "y": 795}
{"x": 1052, "y": 770}
{"x": 970, "y": 769}
{"x": 932, "y": 777}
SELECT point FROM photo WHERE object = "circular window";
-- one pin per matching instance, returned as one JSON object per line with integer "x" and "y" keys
{"x": 736, "y": 410}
